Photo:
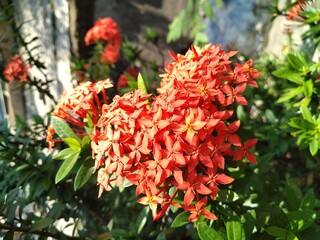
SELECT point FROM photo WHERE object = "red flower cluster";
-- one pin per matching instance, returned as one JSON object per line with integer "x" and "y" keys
{"x": 16, "y": 70}
{"x": 82, "y": 102}
{"x": 123, "y": 80}
{"x": 180, "y": 139}
{"x": 107, "y": 30}
{"x": 294, "y": 13}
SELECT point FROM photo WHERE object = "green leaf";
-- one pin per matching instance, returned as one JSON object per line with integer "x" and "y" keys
{"x": 270, "y": 116}
{"x": 308, "y": 201}
{"x": 207, "y": 233}
{"x": 84, "y": 174}
{"x": 62, "y": 129}
{"x": 85, "y": 143}
{"x": 73, "y": 143}
{"x": 294, "y": 195}
{"x": 65, "y": 153}
{"x": 161, "y": 236}
{"x": 227, "y": 196}
{"x": 290, "y": 93}
{"x": 207, "y": 8}
{"x": 142, "y": 219}
{"x": 308, "y": 88}
{"x": 296, "y": 62}
{"x": 306, "y": 114}
{"x": 235, "y": 230}
{"x": 66, "y": 167}
{"x": 249, "y": 220}
{"x": 280, "y": 232}
{"x": 176, "y": 27}
{"x": 301, "y": 219}
{"x": 290, "y": 75}
{"x": 180, "y": 220}
{"x": 141, "y": 83}
{"x": 41, "y": 224}
{"x": 314, "y": 146}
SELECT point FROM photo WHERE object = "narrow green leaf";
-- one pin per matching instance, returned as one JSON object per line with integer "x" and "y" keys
{"x": 308, "y": 88}
{"x": 84, "y": 174}
{"x": 66, "y": 167}
{"x": 175, "y": 27}
{"x": 207, "y": 8}
{"x": 295, "y": 62}
{"x": 65, "y": 153}
{"x": 235, "y": 230}
{"x": 207, "y": 233}
{"x": 290, "y": 93}
{"x": 270, "y": 116}
{"x": 306, "y": 114}
{"x": 85, "y": 143}
{"x": 41, "y": 224}
{"x": 73, "y": 143}
{"x": 314, "y": 146}
{"x": 142, "y": 219}
{"x": 277, "y": 231}
{"x": 249, "y": 220}
{"x": 308, "y": 201}
{"x": 62, "y": 129}
{"x": 290, "y": 75}
{"x": 180, "y": 220}
{"x": 301, "y": 219}
{"x": 141, "y": 83}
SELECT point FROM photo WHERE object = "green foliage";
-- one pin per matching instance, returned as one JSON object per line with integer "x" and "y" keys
{"x": 276, "y": 199}
{"x": 190, "y": 22}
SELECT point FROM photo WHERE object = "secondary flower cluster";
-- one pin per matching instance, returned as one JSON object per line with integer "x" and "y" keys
{"x": 16, "y": 70}
{"x": 176, "y": 144}
{"x": 294, "y": 13}
{"x": 84, "y": 101}
{"x": 107, "y": 31}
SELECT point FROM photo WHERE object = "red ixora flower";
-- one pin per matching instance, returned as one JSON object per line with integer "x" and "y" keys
{"x": 16, "y": 70}
{"x": 123, "y": 79}
{"x": 105, "y": 29}
{"x": 180, "y": 139}
{"x": 81, "y": 102}
{"x": 294, "y": 13}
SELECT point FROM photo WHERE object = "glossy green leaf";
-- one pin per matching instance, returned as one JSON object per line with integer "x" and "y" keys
{"x": 41, "y": 224}
{"x": 84, "y": 174}
{"x": 301, "y": 219}
{"x": 290, "y": 75}
{"x": 180, "y": 220}
{"x": 62, "y": 129}
{"x": 65, "y": 153}
{"x": 308, "y": 88}
{"x": 141, "y": 83}
{"x": 207, "y": 233}
{"x": 280, "y": 232}
{"x": 314, "y": 146}
{"x": 142, "y": 219}
{"x": 308, "y": 201}
{"x": 66, "y": 167}
{"x": 296, "y": 61}
{"x": 290, "y": 93}
{"x": 306, "y": 114}
{"x": 73, "y": 143}
{"x": 235, "y": 230}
